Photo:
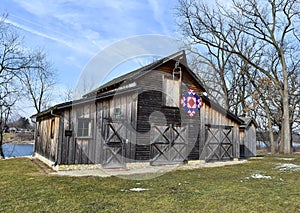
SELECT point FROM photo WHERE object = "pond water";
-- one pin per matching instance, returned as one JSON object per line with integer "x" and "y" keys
{"x": 17, "y": 150}
{"x": 262, "y": 145}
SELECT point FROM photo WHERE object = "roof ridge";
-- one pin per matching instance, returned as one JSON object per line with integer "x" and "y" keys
{"x": 132, "y": 74}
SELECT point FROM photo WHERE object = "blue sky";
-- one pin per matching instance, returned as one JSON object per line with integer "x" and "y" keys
{"x": 72, "y": 32}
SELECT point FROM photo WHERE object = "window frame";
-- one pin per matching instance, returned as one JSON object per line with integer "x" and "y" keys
{"x": 52, "y": 128}
{"x": 80, "y": 131}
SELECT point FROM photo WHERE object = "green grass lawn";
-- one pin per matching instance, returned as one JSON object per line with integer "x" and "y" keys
{"x": 25, "y": 188}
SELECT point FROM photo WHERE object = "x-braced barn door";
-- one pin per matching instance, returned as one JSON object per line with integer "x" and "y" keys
{"x": 113, "y": 147}
{"x": 218, "y": 143}
{"x": 168, "y": 144}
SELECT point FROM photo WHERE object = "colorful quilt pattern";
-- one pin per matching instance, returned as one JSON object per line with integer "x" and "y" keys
{"x": 191, "y": 102}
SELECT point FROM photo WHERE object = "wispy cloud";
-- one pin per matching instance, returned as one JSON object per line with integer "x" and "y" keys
{"x": 90, "y": 23}
{"x": 38, "y": 33}
{"x": 82, "y": 28}
{"x": 73, "y": 31}
{"x": 158, "y": 14}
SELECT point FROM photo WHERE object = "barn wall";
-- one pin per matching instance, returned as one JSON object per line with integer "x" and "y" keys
{"x": 187, "y": 79}
{"x": 151, "y": 101}
{"x": 139, "y": 110}
{"x": 248, "y": 141}
{"x": 66, "y": 148}
{"x": 75, "y": 149}
{"x": 118, "y": 109}
{"x": 47, "y": 137}
{"x": 209, "y": 115}
{"x": 150, "y": 111}
{"x": 151, "y": 108}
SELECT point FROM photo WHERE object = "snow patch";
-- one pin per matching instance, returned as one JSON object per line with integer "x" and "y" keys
{"x": 138, "y": 189}
{"x": 288, "y": 166}
{"x": 259, "y": 176}
{"x": 287, "y": 159}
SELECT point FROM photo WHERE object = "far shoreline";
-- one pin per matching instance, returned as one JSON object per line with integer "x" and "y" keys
{"x": 19, "y": 142}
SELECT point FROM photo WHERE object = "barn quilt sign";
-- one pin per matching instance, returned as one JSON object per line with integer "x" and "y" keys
{"x": 191, "y": 102}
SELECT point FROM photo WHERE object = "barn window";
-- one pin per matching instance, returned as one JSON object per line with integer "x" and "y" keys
{"x": 84, "y": 127}
{"x": 118, "y": 112}
{"x": 38, "y": 129}
{"x": 52, "y": 128}
{"x": 171, "y": 92}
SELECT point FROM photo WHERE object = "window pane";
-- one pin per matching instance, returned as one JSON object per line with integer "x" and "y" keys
{"x": 85, "y": 132}
{"x": 79, "y": 133}
{"x": 80, "y": 124}
{"x": 83, "y": 129}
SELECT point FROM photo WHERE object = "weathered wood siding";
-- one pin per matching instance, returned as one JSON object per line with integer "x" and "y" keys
{"x": 150, "y": 111}
{"x": 153, "y": 109}
{"x": 137, "y": 111}
{"x": 209, "y": 115}
{"x": 74, "y": 149}
{"x": 248, "y": 141}
{"x": 120, "y": 108}
{"x": 47, "y": 137}
{"x": 151, "y": 100}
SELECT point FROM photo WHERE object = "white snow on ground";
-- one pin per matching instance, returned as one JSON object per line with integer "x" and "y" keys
{"x": 288, "y": 166}
{"x": 287, "y": 159}
{"x": 138, "y": 189}
{"x": 259, "y": 176}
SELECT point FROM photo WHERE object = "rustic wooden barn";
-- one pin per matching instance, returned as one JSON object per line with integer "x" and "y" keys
{"x": 248, "y": 137}
{"x": 138, "y": 118}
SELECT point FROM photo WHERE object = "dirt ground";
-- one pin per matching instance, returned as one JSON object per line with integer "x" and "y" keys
{"x": 142, "y": 172}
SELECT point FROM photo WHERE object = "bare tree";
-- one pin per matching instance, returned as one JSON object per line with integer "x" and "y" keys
{"x": 67, "y": 94}
{"x": 211, "y": 67}
{"x": 230, "y": 78}
{"x": 268, "y": 27}
{"x": 38, "y": 79}
{"x": 7, "y": 101}
{"x": 223, "y": 77}
{"x": 294, "y": 82}
{"x": 20, "y": 67}
{"x": 12, "y": 61}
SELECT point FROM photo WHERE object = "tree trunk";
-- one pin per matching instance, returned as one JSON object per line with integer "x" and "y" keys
{"x": 1, "y": 152}
{"x": 271, "y": 134}
{"x": 286, "y": 131}
{"x": 291, "y": 141}
{"x": 1, "y": 142}
{"x": 286, "y": 137}
{"x": 270, "y": 124}
{"x": 281, "y": 148}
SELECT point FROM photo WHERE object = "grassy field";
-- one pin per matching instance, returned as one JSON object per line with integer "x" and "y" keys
{"x": 257, "y": 186}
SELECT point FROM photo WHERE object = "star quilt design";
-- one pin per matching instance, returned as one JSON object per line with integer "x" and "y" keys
{"x": 191, "y": 102}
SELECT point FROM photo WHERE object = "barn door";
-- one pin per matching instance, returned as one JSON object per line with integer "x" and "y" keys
{"x": 113, "y": 146}
{"x": 219, "y": 143}
{"x": 168, "y": 145}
